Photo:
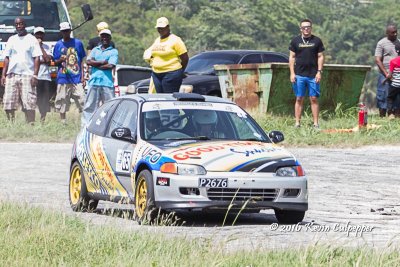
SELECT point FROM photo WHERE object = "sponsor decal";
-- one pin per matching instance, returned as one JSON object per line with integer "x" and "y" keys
{"x": 119, "y": 133}
{"x": 253, "y": 151}
{"x": 123, "y": 163}
{"x": 177, "y": 105}
{"x": 162, "y": 181}
{"x": 97, "y": 168}
{"x": 184, "y": 154}
{"x": 197, "y": 104}
{"x": 151, "y": 154}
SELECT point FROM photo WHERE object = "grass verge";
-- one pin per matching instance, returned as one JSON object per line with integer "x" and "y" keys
{"x": 34, "y": 237}
{"x": 386, "y": 132}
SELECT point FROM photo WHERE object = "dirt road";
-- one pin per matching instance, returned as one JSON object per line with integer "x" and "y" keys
{"x": 353, "y": 198}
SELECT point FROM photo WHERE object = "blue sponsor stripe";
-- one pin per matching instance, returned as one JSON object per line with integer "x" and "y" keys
{"x": 246, "y": 163}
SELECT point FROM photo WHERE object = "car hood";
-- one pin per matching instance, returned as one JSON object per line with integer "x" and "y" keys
{"x": 222, "y": 156}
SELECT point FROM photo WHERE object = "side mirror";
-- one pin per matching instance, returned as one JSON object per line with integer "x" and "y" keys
{"x": 87, "y": 12}
{"x": 276, "y": 136}
{"x": 124, "y": 134}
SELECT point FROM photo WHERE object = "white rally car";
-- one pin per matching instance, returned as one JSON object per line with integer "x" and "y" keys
{"x": 184, "y": 152}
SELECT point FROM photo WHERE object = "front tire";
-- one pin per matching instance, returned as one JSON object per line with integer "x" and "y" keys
{"x": 78, "y": 196}
{"x": 145, "y": 210}
{"x": 289, "y": 216}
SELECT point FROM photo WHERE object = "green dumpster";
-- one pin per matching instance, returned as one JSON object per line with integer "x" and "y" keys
{"x": 266, "y": 87}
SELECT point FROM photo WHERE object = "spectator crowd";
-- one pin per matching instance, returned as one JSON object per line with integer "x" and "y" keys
{"x": 26, "y": 73}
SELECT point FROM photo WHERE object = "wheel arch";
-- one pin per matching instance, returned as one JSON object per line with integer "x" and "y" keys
{"x": 142, "y": 166}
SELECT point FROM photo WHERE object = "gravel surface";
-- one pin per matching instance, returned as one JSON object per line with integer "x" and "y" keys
{"x": 353, "y": 199}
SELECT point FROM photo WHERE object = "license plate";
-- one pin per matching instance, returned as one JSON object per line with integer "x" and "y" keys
{"x": 213, "y": 182}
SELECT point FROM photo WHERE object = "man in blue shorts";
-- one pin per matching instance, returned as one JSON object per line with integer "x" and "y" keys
{"x": 306, "y": 61}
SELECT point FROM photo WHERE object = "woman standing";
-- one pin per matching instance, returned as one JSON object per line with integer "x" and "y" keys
{"x": 168, "y": 58}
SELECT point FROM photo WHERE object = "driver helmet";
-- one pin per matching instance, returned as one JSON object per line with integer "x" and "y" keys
{"x": 204, "y": 117}
{"x": 153, "y": 118}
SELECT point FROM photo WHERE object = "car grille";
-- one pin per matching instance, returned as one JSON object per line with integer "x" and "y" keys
{"x": 242, "y": 194}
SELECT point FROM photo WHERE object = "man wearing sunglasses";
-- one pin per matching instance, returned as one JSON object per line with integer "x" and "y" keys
{"x": 306, "y": 61}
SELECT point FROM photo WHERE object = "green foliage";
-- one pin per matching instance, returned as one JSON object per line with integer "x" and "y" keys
{"x": 349, "y": 29}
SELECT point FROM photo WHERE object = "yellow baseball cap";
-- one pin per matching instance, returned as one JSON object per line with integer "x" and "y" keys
{"x": 162, "y": 22}
{"x": 102, "y": 25}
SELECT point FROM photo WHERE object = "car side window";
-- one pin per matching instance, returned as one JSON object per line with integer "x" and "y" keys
{"x": 252, "y": 58}
{"x": 126, "y": 115}
{"x": 268, "y": 58}
{"x": 98, "y": 123}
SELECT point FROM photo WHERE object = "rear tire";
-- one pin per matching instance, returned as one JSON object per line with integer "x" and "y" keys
{"x": 78, "y": 196}
{"x": 145, "y": 210}
{"x": 289, "y": 216}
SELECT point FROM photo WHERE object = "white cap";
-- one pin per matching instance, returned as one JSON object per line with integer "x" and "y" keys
{"x": 106, "y": 31}
{"x": 38, "y": 29}
{"x": 162, "y": 22}
{"x": 65, "y": 26}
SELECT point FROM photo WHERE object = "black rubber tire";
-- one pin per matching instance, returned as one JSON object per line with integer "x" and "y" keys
{"x": 145, "y": 209}
{"x": 80, "y": 201}
{"x": 289, "y": 216}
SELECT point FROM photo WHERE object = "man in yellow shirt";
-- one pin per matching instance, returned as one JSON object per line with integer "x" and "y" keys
{"x": 168, "y": 58}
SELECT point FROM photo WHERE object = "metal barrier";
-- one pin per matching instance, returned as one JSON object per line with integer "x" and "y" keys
{"x": 266, "y": 87}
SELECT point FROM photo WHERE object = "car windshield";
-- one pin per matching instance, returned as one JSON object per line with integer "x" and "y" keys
{"x": 198, "y": 121}
{"x": 204, "y": 63}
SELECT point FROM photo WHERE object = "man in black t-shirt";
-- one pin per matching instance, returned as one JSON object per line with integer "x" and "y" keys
{"x": 306, "y": 61}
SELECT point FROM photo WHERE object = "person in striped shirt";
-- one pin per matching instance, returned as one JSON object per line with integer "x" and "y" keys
{"x": 394, "y": 87}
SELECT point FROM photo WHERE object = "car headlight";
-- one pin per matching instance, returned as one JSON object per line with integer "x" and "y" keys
{"x": 183, "y": 169}
{"x": 131, "y": 89}
{"x": 292, "y": 171}
{"x": 186, "y": 88}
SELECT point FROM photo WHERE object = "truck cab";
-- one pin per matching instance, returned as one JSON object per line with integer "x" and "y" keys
{"x": 45, "y": 13}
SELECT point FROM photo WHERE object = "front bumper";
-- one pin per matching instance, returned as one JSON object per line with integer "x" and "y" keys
{"x": 248, "y": 190}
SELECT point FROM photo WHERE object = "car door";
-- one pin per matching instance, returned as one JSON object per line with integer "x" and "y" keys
{"x": 97, "y": 164}
{"x": 120, "y": 152}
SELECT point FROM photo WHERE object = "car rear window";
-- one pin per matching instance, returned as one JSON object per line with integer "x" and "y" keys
{"x": 99, "y": 121}
{"x": 128, "y": 76}
{"x": 268, "y": 58}
{"x": 204, "y": 63}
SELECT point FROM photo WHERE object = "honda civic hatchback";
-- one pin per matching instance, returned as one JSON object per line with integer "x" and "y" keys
{"x": 184, "y": 152}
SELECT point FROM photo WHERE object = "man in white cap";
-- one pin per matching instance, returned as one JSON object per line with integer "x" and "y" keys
{"x": 168, "y": 58}
{"x": 68, "y": 55}
{"x": 44, "y": 78}
{"x": 96, "y": 40}
{"x": 102, "y": 59}
{"x": 20, "y": 72}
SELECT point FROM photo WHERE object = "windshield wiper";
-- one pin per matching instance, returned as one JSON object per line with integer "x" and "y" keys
{"x": 253, "y": 139}
{"x": 202, "y": 137}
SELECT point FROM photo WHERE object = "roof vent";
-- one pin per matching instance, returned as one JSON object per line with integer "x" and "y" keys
{"x": 188, "y": 97}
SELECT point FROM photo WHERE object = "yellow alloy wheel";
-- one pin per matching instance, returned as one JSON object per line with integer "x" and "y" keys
{"x": 75, "y": 185}
{"x": 141, "y": 197}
